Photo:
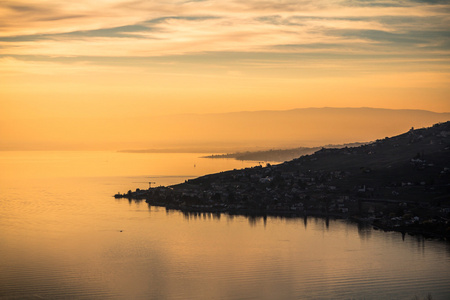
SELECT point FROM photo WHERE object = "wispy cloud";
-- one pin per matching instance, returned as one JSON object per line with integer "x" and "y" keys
{"x": 384, "y": 35}
{"x": 211, "y": 25}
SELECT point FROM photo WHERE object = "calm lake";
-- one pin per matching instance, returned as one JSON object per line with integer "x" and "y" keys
{"x": 63, "y": 235}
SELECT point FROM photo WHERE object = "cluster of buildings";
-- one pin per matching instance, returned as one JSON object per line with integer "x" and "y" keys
{"x": 382, "y": 182}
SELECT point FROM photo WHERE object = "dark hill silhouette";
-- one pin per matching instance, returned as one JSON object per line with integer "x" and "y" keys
{"x": 400, "y": 183}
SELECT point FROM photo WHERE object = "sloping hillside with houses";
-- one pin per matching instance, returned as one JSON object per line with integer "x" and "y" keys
{"x": 397, "y": 183}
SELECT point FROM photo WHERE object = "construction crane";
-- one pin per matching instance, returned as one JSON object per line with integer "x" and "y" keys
{"x": 149, "y": 183}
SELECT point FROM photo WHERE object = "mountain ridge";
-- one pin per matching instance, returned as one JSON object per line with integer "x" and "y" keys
{"x": 306, "y": 109}
{"x": 310, "y": 127}
{"x": 307, "y": 127}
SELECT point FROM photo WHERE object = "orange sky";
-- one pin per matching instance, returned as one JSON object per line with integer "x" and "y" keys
{"x": 126, "y": 59}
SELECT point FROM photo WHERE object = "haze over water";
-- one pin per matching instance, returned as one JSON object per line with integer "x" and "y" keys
{"x": 210, "y": 76}
{"x": 126, "y": 74}
{"x": 63, "y": 235}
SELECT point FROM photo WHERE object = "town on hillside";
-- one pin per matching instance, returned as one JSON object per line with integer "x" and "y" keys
{"x": 399, "y": 183}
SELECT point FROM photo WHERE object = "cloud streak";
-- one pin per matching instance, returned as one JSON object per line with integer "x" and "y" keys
{"x": 248, "y": 49}
{"x": 123, "y": 28}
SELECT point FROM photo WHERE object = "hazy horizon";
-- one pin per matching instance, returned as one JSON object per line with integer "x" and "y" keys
{"x": 223, "y": 76}
{"x": 225, "y": 132}
{"x": 126, "y": 74}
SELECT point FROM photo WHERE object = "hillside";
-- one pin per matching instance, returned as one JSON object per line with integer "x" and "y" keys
{"x": 400, "y": 183}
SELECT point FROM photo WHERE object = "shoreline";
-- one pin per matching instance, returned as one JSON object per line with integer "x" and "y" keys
{"x": 219, "y": 210}
{"x": 400, "y": 184}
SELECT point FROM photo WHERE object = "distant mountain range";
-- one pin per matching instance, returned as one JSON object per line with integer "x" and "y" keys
{"x": 264, "y": 130}
{"x": 213, "y": 133}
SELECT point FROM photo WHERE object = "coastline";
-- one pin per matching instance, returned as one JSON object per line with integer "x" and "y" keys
{"x": 400, "y": 184}
{"x": 154, "y": 199}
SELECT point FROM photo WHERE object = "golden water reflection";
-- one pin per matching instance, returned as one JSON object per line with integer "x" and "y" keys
{"x": 63, "y": 235}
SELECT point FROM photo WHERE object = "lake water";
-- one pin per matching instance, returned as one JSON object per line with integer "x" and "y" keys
{"x": 63, "y": 235}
